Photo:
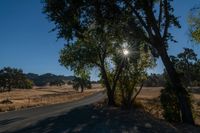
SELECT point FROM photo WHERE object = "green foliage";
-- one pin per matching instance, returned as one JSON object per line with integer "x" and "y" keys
{"x": 194, "y": 23}
{"x": 104, "y": 25}
{"x": 187, "y": 65}
{"x": 170, "y": 104}
{"x": 92, "y": 38}
{"x": 13, "y": 78}
{"x": 83, "y": 81}
{"x": 78, "y": 56}
{"x": 133, "y": 74}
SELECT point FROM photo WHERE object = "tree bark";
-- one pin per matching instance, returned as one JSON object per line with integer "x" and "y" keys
{"x": 82, "y": 88}
{"x": 180, "y": 91}
{"x": 133, "y": 99}
{"x": 110, "y": 92}
{"x": 111, "y": 98}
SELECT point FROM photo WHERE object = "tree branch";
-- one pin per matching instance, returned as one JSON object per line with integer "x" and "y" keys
{"x": 167, "y": 20}
{"x": 160, "y": 15}
{"x": 137, "y": 92}
{"x": 117, "y": 74}
{"x": 151, "y": 17}
{"x": 147, "y": 29}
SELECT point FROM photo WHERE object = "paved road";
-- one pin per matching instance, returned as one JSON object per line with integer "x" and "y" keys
{"x": 16, "y": 120}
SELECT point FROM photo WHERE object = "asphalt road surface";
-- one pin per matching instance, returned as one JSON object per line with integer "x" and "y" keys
{"x": 15, "y": 121}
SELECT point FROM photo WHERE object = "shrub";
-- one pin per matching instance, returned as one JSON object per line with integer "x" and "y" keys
{"x": 169, "y": 103}
{"x": 6, "y": 101}
{"x": 138, "y": 104}
{"x": 13, "y": 78}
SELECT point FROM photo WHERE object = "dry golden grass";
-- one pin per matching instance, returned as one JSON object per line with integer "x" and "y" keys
{"x": 149, "y": 97}
{"x": 149, "y": 92}
{"x": 43, "y": 96}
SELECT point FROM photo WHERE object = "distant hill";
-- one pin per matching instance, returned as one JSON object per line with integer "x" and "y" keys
{"x": 44, "y": 79}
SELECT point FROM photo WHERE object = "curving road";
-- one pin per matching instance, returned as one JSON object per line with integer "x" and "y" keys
{"x": 17, "y": 120}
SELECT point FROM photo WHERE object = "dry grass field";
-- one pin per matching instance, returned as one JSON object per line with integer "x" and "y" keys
{"x": 149, "y": 97}
{"x": 24, "y": 98}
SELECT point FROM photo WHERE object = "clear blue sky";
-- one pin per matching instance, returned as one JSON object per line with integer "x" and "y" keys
{"x": 25, "y": 41}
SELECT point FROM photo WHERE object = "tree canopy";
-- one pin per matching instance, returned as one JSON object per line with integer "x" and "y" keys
{"x": 82, "y": 80}
{"x": 187, "y": 65}
{"x": 97, "y": 29}
{"x": 13, "y": 78}
{"x": 194, "y": 23}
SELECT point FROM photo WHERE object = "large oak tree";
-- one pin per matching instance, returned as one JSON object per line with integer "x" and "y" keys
{"x": 148, "y": 20}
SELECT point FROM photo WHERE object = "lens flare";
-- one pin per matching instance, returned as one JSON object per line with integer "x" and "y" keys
{"x": 125, "y": 52}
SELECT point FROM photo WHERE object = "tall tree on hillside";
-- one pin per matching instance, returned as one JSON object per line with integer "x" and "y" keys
{"x": 148, "y": 20}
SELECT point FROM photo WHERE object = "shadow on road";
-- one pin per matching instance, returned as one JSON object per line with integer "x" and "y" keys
{"x": 81, "y": 119}
{"x": 8, "y": 121}
{"x": 87, "y": 119}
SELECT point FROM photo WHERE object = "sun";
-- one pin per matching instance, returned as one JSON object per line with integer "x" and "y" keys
{"x": 125, "y": 52}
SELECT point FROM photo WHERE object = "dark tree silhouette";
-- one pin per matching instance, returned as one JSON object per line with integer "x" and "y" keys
{"x": 148, "y": 20}
{"x": 91, "y": 37}
{"x": 155, "y": 24}
{"x": 13, "y": 78}
{"x": 186, "y": 63}
{"x": 186, "y": 60}
{"x": 82, "y": 83}
{"x": 56, "y": 82}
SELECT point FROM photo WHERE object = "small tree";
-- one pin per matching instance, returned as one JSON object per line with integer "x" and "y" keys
{"x": 170, "y": 104}
{"x": 13, "y": 78}
{"x": 187, "y": 59}
{"x": 134, "y": 73}
{"x": 186, "y": 64}
{"x": 83, "y": 81}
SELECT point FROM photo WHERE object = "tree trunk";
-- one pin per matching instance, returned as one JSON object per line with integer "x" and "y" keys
{"x": 111, "y": 98}
{"x": 180, "y": 91}
{"x": 110, "y": 92}
{"x": 82, "y": 88}
{"x": 133, "y": 99}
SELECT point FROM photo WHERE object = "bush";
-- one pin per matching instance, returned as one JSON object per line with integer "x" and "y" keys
{"x": 169, "y": 103}
{"x": 57, "y": 83}
{"x": 6, "y": 101}
{"x": 13, "y": 78}
{"x": 118, "y": 98}
{"x": 138, "y": 104}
